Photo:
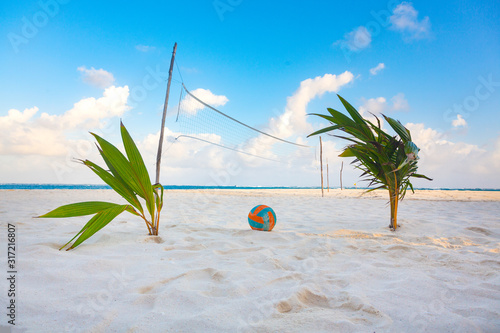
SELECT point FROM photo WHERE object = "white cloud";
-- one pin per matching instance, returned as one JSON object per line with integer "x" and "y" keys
{"x": 192, "y": 106}
{"x": 380, "y": 105}
{"x": 145, "y": 48}
{"x": 15, "y": 117}
{"x": 455, "y": 164}
{"x": 399, "y": 103}
{"x": 20, "y": 135}
{"x": 459, "y": 122}
{"x": 294, "y": 120}
{"x": 87, "y": 113}
{"x": 405, "y": 19}
{"x": 375, "y": 70}
{"x": 356, "y": 40}
{"x": 96, "y": 77}
{"x": 53, "y": 135}
{"x": 186, "y": 152}
{"x": 373, "y": 105}
{"x": 376, "y": 106}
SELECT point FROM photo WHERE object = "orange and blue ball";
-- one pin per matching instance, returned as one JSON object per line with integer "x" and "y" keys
{"x": 262, "y": 217}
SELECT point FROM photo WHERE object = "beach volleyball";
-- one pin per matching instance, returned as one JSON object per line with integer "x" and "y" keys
{"x": 262, "y": 217}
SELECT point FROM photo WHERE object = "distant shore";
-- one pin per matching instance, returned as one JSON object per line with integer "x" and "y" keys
{"x": 446, "y": 195}
{"x": 420, "y": 194}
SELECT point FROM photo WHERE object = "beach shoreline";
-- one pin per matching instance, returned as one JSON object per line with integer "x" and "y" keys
{"x": 442, "y": 195}
{"x": 447, "y": 195}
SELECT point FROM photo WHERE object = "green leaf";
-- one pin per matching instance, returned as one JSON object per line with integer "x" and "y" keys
{"x": 96, "y": 223}
{"x": 329, "y": 118}
{"x": 115, "y": 184}
{"x": 357, "y": 118}
{"x": 159, "y": 198}
{"x": 399, "y": 128}
{"x": 344, "y": 123}
{"x": 382, "y": 187}
{"x": 349, "y": 139}
{"x": 347, "y": 153}
{"x": 411, "y": 186}
{"x": 79, "y": 209}
{"x": 341, "y": 119}
{"x": 80, "y": 232}
{"x": 381, "y": 135}
{"x": 326, "y": 129}
{"x": 124, "y": 187}
{"x": 416, "y": 175}
{"x": 120, "y": 164}
{"x": 139, "y": 168}
{"x": 131, "y": 210}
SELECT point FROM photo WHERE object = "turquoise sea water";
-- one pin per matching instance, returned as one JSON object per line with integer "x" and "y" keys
{"x": 13, "y": 186}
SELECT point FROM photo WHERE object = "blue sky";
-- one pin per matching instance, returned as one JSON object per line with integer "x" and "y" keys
{"x": 438, "y": 69}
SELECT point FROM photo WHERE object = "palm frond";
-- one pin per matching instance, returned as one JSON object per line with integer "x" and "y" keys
{"x": 139, "y": 169}
{"x": 96, "y": 223}
{"x": 402, "y": 131}
{"x": 79, "y": 209}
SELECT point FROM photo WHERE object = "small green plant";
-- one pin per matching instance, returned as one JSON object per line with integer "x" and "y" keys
{"x": 387, "y": 162}
{"x": 128, "y": 177}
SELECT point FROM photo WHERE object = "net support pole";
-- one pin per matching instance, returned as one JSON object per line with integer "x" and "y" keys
{"x": 321, "y": 164}
{"x": 341, "y": 168}
{"x": 327, "y": 177}
{"x": 160, "y": 144}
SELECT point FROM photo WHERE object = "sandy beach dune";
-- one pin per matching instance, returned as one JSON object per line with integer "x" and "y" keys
{"x": 330, "y": 265}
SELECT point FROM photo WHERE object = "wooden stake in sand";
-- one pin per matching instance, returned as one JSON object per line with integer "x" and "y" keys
{"x": 341, "y": 167}
{"x": 321, "y": 163}
{"x": 160, "y": 144}
{"x": 327, "y": 177}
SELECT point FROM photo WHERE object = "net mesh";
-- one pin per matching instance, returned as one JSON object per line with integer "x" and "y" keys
{"x": 200, "y": 121}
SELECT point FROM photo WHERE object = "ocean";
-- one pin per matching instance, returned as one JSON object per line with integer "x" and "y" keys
{"x": 16, "y": 186}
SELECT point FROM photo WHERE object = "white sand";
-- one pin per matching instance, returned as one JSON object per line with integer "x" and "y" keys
{"x": 330, "y": 265}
